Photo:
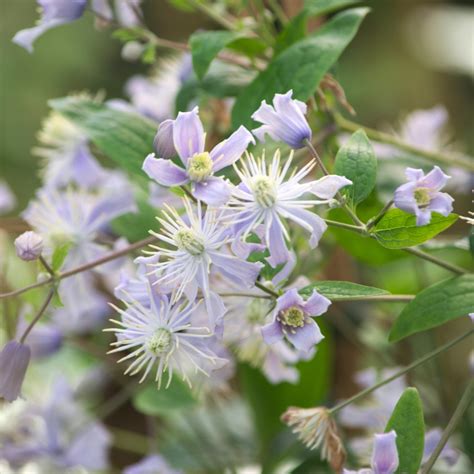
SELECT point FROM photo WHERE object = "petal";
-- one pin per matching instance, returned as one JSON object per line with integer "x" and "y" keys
{"x": 435, "y": 179}
{"x": 309, "y": 221}
{"x": 385, "y": 454}
{"x": 442, "y": 203}
{"x": 276, "y": 244}
{"x": 404, "y": 198}
{"x": 423, "y": 217}
{"x": 215, "y": 310}
{"x": 108, "y": 208}
{"x": 188, "y": 134}
{"x": 237, "y": 270}
{"x": 316, "y": 304}
{"x": 288, "y": 299}
{"x": 163, "y": 143}
{"x": 26, "y": 38}
{"x": 306, "y": 337}
{"x": 272, "y": 332}
{"x": 230, "y": 150}
{"x": 213, "y": 191}
{"x": 414, "y": 174}
{"x": 328, "y": 186}
{"x": 165, "y": 172}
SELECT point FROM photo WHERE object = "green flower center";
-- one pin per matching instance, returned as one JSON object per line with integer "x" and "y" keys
{"x": 200, "y": 166}
{"x": 422, "y": 196}
{"x": 160, "y": 342}
{"x": 293, "y": 316}
{"x": 264, "y": 191}
{"x": 188, "y": 241}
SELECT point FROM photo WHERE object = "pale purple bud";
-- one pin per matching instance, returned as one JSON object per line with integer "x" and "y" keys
{"x": 29, "y": 245}
{"x": 163, "y": 142}
{"x": 385, "y": 454}
{"x": 284, "y": 121}
{"x": 14, "y": 360}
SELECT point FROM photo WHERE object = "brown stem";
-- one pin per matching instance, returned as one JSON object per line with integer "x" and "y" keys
{"x": 38, "y": 316}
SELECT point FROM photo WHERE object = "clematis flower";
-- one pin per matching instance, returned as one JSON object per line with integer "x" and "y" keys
{"x": 150, "y": 465}
{"x": 54, "y": 13}
{"x": 384, "y": 455}
{"x": 266, "y": 196}
{"x": 160, "y": 334}
{"x": 29, "y": 245}
{"x": 199, "y": 251}
{"x": 57, "y": 433}
{"x": 284, "y": 121}
{"x": 14, "y": 360}
{"x": 292, "y": 320}
{"x": 421, "y": 195}
{"x": 66, "y": 157}
{"x": 200, "y": 166}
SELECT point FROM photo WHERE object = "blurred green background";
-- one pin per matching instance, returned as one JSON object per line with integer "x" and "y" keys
{"x": 382, "y": 72}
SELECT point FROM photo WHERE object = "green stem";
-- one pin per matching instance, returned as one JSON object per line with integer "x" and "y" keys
{"x": 38, "y": 316}
{"x": 46, "y": 265}
{"x": 432, "y": 156}
{"x": 279, "y": 12}
{"x": 374, "y": 221}
{"x": 274, "y": 294}
{"x": 343, "y": 225}
{"x": 436, "y": 261}
{"x": 340, "y": 198}
{"x": 82, "y": 268}
{"x": 401, "y": 372}
{"x": 463, "y": 405}
{"x": 217, "y": 17}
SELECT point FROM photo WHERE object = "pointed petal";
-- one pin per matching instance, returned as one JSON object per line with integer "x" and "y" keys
{"x": 165, "y": 172}
{"x": 276, "y": 244}
{"x": 316, "y": 304}
{"x": 230, "y": 150}
{"x": 435, "y": 179}
{"x": 237, "y": 270}
{"x": 310, "y": 221}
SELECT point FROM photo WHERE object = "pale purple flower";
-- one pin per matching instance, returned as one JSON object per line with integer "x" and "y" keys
{"x": 199, "y": 249}
{"x": 284, "y": 121}
{"x": 58, "y": 433}
{"x": 29, "y": 245}
{"x": 267, "y": 196}
{"x": 161, "y": 195}
{"x": 421, "y": 195}
{"x": 448, "y": 454}
{"x": 66, "y": 157}
{"x": 53, "y": 13}
{"x": 152, "y": 464}
{"x": 384, "y": 455}
{"x": 7, "y": 198}
{"x": 292, "y": 319}
{"x": 199, "y": 165}
{"x": 14, "y": 360}
{"x": 160, "y": 334}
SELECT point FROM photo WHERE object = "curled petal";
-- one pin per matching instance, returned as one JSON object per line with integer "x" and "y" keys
{"x": 165, "y": 172}
{"x": 316, "y": 304}
{"x": 239, "y": 271}
{"x": 442, "y": 203}
{"x": 163, "y": 142}
{"x": 328, "y": 186}
{"x": 288, "y": 299}
{"x": 309, "y": 221}
{"x": 414, "y": 174}
{"x": 435, "y": 179}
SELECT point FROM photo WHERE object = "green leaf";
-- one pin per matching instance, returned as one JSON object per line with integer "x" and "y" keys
{"x": 149, "y": 54}
{"x": 300, "y": 67}
{"x": 449, "y": 299}
{"x": 407, "y": 421}
{"x": 251, "y": 47}
{"x": 153, "y": 402}
{"x": 128, "y": 34}
{"x": 342, "y": 290}
{"x": 295, "y": 30}
{"x": 59, "y": 255}
{"x": 126, "y": 138}
{"x": 205, "y": 46}
{"x": 398, "y": 230}
{"x": 356, "y": 161}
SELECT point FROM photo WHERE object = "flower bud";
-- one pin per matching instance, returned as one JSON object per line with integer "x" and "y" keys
{"x": 163, "y": 142}
{"x": 14, "y": 360}
{"x": 29, "y": 245}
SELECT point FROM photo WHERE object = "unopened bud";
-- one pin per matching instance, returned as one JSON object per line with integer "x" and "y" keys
{"x": 29, "y": 245}
{"x": 163, "y": 142}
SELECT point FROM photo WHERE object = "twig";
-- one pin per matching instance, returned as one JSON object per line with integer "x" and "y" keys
{"x": 38, "y": 316}
{"x": 436, "y": 261}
